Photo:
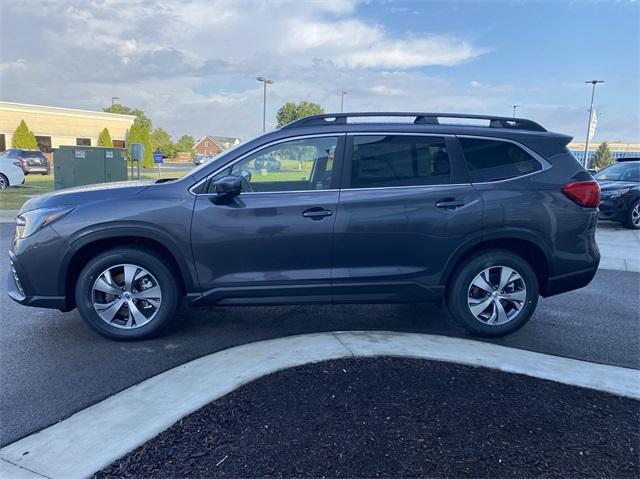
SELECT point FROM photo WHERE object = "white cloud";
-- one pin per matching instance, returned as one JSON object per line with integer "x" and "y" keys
{"x": 192, "y": 64}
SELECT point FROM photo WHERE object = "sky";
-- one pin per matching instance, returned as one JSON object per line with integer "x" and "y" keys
{"x": 192, "y": 65}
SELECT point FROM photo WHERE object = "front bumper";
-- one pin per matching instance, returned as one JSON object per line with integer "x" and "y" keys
{"x": 15, "y": 291}
{"x": 614, "y": 209}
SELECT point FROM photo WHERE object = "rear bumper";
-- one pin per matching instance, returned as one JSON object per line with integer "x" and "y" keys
{"x": 570, "y": 281}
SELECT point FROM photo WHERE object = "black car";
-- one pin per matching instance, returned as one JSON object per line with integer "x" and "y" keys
{"x": 620, "y": 197}
{"x": 486, "y": 218}
{"x": 31, "y": 161}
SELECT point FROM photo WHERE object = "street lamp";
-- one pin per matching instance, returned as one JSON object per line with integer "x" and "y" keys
{"x": 342, "y": 94}
{"x": 586, "y": 143}
{"x": 113, "y": 100}
{"x": 514, "y": 109}
{"x": 265, "y": 81}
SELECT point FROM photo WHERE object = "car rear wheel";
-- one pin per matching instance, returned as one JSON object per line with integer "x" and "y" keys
{"x": 494, "y": 293}
{"x": 127, "y": 293}
{"x": 633, "y": 216}
{"x": 4, "y": 182}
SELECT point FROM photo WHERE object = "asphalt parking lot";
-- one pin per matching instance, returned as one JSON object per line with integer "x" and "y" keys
{"x": 52, "y": 365}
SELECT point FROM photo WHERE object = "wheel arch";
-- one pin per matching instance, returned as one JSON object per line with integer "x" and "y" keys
{"x": 91, "y": 245}
{"x": 531, "y": 250}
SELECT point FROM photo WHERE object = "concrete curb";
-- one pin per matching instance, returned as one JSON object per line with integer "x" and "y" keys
{"x": 97, "y": 436}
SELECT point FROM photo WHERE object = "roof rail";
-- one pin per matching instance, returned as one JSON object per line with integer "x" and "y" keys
{"x": 419, "y": 118}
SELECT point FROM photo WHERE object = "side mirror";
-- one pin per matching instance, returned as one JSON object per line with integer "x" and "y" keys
{"x": 227, "y": 187}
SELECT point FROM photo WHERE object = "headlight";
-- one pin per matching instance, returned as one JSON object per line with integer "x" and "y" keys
{"x": 618, "y": 193}
{"x": 31, "y": 221}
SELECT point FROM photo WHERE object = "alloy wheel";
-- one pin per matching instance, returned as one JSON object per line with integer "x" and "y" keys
{"x": 497, "y": 295}
{"x": 126, "y": 296}
{"x": 635, "y": 215}
{"x": 3, "y": 182}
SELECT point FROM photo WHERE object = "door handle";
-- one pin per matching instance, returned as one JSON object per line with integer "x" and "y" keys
{"x": 449, "y": 203}
{"x": 316, "y": 213}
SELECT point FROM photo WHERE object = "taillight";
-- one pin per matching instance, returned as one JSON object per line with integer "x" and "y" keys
{"x": 584, "y": 193}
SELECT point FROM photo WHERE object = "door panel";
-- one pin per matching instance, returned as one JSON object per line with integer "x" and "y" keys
{"x": 261, "y": 245}
{"x": 396, "y": 241}
{"x": 393, "y": 243}
{"x": 272, "y": 243}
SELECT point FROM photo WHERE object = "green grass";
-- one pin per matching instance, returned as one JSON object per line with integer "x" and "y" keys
{"x": 14, "y": 197}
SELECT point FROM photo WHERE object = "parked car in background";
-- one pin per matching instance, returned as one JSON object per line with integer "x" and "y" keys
{"x": 31, "y": 161}
{"x": 11, "y": 173}
{"x": 269, "y": 164}
{"x": 487, "y": 218}
{"x": 201, "y": 159}
{"x": 620, "y": 192}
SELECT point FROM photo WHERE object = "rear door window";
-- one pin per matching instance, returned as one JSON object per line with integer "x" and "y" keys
{"x": 399, "y": 160}
{"x": 493, "y": 160}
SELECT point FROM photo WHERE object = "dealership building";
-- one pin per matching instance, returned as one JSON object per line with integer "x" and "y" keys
{"x": 54, "y": 126}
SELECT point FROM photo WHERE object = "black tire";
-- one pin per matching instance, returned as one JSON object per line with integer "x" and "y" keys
{"x": 164, "y": 275}
{"x": 4, "y": 182}
{"x": 629, "y": 221}
{"x": 459, "y": 289}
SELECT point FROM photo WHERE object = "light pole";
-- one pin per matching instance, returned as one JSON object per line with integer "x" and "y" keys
{"x": 342, "y": 94}
{"x": 113, "y": 100}
{"x": 265, "y": 81}
{"x": 514, "y": 109}
{"x": 586, "y": 143}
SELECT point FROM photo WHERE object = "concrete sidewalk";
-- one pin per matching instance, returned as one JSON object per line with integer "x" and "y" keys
{"x": 619, "y": 247}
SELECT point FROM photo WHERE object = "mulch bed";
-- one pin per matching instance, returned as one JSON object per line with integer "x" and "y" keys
{"x": 384, "y": 417}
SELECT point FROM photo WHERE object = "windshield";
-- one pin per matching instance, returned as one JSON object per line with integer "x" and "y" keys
{"x": 620, "y": 172}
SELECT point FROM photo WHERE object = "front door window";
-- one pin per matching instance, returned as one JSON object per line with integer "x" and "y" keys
{"x": 298, "y": 165}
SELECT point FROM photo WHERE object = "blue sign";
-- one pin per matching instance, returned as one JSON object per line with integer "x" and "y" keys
{"x": 157, "y": 157}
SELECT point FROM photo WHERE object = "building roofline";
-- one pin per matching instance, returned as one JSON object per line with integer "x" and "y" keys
{"x": 55, "y": 110}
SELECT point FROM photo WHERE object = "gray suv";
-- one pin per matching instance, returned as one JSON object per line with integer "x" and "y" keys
{"x": 415, "y": 208}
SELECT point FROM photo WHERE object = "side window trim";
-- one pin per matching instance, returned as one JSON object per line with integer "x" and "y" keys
{"x": 337, "y": 164}
{"x": 544, "y": 164}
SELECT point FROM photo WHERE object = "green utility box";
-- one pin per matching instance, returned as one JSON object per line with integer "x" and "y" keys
{"x": 86, "y": 165}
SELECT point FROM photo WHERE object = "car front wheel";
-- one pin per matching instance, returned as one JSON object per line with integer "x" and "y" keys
{"x": 633, "y": 216}
{"x": 493, "y": 294}
{"x": 127, "y": 293}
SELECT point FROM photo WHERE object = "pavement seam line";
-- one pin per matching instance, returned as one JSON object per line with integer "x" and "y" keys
{"x": 335, "y": 335}
{"x": 24, "y": 468}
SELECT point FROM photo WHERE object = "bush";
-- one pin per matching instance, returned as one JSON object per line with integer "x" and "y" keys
{"x": 24, "y": 138}
{"x": 105, "y": 138}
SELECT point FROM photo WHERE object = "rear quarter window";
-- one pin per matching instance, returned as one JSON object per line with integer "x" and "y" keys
{"x": 493, "y": 160}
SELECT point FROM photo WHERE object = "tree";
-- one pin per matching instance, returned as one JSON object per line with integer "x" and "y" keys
{"x": 161, "y": 141}
{"x": 24, "y": 138}
{"x": 290, "y": 111}
{"x": 105, "y": 138}
{"x": 139, "y": 131}
{"x": 186, "y": 143}
{"x": 142, "y": 119}
{"x": 139, "y": 134}
{"x": 602, "y": 157}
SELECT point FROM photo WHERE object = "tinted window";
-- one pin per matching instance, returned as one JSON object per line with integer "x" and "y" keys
{"x": 389, "y": 160}
{"x": 297, "y": 165}
{"x": 491, "y": 160}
